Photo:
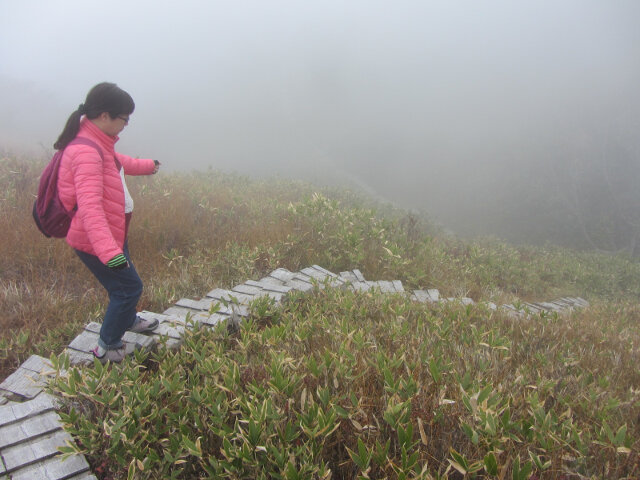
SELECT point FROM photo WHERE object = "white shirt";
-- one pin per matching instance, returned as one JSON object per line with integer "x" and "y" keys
{"x": 128, "y": 200}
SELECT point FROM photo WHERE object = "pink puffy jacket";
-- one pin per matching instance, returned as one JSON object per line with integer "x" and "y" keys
{"x": 98, "y": 228}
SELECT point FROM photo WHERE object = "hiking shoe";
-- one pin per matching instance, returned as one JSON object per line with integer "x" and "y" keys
{"x": 144, "y": 326}
{"x": 115, "y": 356}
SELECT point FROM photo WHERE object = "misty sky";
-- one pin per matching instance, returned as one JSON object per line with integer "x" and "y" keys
{"x": 427, "y": 104}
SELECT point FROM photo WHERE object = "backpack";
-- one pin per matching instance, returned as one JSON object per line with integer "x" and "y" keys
{"x": 51, "y": 218}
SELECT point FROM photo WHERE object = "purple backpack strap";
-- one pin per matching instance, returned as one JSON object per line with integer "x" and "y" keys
{"x": 88, "y": 143}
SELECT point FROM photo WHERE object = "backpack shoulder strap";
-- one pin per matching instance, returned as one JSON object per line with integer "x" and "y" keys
{"x": 88, "y": 143}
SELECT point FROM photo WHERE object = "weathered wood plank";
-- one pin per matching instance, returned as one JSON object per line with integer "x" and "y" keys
{"x": 24, "y": 383}
{"x": 39, "y": 364}
{"x": 168, "y": 325}
{"x": 84, "y": 342}
{"x": 424, "y": 296}
{"x": 74, "y": 467}
{"x": 282, "y": 274}
{"x": 247, "y": 289}
{"x": 204, "y": 317}
{"x": 15, "y": 412}
{"x": 202, "y": 304}
{"x": 363, "y": 286}
{"x": 39, "y": 448}
{"x": 359, "y": 275}
{"x": 137, "y": 339}
{"x": 324, "y": 270}
{"x": 20, "y": 432}
{"x": 299, "y": 285}
{"x": 349, "y": 276}
{"x": 549, "y": 306}
{"x": 79, "y": 358}
{"x": 385, "y": 286}
{"x": 230, "y": 296}
{"x": 321, "y": 275}
{"x": 271, "y": 281}
{"x": 270, "y": 287}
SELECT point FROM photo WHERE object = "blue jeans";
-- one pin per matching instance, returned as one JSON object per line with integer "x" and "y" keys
{"x": 124, "y": 288}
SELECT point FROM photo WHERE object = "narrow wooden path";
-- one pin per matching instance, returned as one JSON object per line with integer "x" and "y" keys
{"x": 30, "y": 429}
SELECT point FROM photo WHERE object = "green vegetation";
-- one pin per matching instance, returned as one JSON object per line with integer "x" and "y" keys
{"x": 359, "y": 384}
{"x": 343, "y": 385}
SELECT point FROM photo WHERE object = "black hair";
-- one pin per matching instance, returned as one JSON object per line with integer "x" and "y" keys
{"x": 104, "y": 97}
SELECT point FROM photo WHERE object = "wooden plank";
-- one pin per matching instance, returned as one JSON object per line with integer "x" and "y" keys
{"x": 202, "y": 304}
{"x": 84, "y": 342}
{"x": 24, "y": 383}
{"x": 39, "y": 448}
{"x": 19, "y": 432}
{"x": 203, "y": 317}
{"x": 15, "y": 412}
{"x": 229, "y": 296}
{"x": 271, "y": 281}
{"x": 161, "y": 317}
{"x": 299, "y": 285}
{"x": 39, "y": 364}
{"x": 168, "y": 325}
{"x": 276, "y": 296}
{"x": 362, "y": 286}
{"x": 270, "y": 287}
{"x": 215, "y": 318}
{"x": 582, "y": 302}
{"x": 359, "y": 275}
{"x": 324, "y": 270}
{"x": 55, "y": 468}
{"x": 423, "y": 296}
{"x": 349, "y": 276}
{"x": 180, "y": 312}
{"x": 247, "y": 289}
{"x": 563, "y": 305}
{"x": 219, "y": 293}
{"x": 385, "y": 286}
{"x": 549, "y": 306}
{"x": 138, "y": 339}
{"x": 282, "y": 274}
{"x": 303, "y": 276}
{"x": 321, "y": 276}
{"x": 79, "y": 358}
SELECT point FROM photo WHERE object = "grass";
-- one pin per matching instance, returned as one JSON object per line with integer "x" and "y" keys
{"x": 339, "y": 384}
{"x": 195, "y": 231}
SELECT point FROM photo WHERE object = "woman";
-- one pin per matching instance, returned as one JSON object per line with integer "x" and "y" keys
{"x": 91, "y": 178}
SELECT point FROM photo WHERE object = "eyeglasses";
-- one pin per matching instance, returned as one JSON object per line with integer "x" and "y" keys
{"x": 125, "y": 119}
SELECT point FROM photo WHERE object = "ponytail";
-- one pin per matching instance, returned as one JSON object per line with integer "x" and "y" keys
{"x": 70, "y": 129}
{"x": 104, "y": 97}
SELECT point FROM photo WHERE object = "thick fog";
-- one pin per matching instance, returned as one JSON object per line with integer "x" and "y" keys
{"x": 445, "y": 107}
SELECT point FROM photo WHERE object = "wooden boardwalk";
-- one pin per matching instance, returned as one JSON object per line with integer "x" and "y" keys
{"x": 31, "y": 432}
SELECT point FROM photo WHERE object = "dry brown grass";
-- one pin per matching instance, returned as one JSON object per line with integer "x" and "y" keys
{"x": 195, "y": 231}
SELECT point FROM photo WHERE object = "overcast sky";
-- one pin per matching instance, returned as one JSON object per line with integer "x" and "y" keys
{"x": 424, "y": 103}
